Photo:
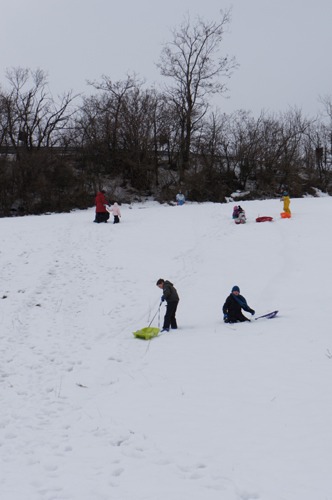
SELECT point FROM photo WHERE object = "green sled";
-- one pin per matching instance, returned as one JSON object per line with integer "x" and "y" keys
{"x": 147, "y": 333}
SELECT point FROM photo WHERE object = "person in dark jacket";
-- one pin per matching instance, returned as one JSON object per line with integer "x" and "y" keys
{"x": 172, "y": 299}
{"x": 233, "y": 306}
{"x": 102, "y": 214}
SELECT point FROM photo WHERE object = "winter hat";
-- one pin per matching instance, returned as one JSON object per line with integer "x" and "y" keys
{"x": 235, "y": 289}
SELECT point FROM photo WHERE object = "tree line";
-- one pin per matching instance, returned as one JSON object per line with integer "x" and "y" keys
{"x": 55, "y": 153}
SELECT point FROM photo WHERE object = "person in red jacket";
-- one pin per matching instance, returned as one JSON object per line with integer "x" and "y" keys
{"x": 102, "y": 215}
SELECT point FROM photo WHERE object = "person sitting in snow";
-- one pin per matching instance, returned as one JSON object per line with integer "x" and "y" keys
{"x": 172, "y": 299}
{"x": 235, "y": 212}
{"x": 233, "y": 305}
{"x": 116, "y": 213}
{"x": 180, "y": 198}
{"x": 239, "y": 215}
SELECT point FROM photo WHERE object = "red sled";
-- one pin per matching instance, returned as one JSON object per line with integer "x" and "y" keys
{"x": 264, "y": 219}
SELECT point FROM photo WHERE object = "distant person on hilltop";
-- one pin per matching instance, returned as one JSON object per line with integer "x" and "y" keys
{"x": 172, "y": 299}
{"x": 180, "y": 198}
{"x": 233, "y": 306}
{"x": 102, "y": 214}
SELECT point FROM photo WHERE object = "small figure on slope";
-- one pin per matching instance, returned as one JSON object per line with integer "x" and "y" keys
{"x": 286, "y": 214}
{"x": 233, "y": 305}
{"x": 172, "y": 299}
{"x": 180, "y": 198}
{"x": 102, "y": 214}
{"x": 116, "y": 213}
{"x": 239, "y": 215}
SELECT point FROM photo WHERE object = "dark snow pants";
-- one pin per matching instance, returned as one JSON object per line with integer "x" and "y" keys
{"x": 102, "y": 217}
{"x": 234, "y": 319}
{"x": 169, "y": 319}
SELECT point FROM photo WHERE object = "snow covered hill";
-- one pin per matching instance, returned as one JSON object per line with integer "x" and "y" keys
{"x": 208, "y": 412}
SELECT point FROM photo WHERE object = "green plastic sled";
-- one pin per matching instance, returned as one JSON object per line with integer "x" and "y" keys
{"x": 147, "y": 333}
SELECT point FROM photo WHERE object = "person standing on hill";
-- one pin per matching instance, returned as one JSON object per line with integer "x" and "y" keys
{"x": 233, "y": 306}
{"x": 116, "y": 213}
{"x": 171, "y": 297}
{"x": 102, "y": 215}
{"x": 286, "y": 199}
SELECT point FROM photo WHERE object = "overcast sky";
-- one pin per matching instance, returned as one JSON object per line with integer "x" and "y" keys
{"x": 282, "y": 46}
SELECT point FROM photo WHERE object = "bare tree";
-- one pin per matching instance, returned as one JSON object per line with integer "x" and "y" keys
{"x": 110, "y": 107}
{"x": 326, "y": 101}
{"x": 121, "y": 128}
{"x": 34, "y": 119}
{"x": 32, "y": 123}
{"x": 317, "y": 155}
{"x": 191, "y": 61}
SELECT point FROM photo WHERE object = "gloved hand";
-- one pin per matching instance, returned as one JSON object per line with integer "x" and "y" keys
{"x": 252, "y": 312}
{"x": 225, "y": 317}
{"x": 162, "y": 298}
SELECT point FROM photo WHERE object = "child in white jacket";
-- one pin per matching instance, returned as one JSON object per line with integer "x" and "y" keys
{"x": 116, "y": 213}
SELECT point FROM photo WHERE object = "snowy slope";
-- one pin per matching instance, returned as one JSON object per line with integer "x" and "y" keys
{"x": 209, "y": 412}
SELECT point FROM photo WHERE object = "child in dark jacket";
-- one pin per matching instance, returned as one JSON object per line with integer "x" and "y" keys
{"x": 171, "y": 297}
{"x": 233, "y": 306}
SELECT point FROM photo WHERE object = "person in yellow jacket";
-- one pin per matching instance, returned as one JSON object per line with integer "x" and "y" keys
{"x": 286, "y": 199}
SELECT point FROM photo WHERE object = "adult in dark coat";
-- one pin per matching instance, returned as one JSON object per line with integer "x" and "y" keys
{"x": 102, "y": 215}
{"x": 171, "y": 297}
{"x": 233, "y": 306}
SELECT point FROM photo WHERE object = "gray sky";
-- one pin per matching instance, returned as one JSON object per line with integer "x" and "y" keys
{"x": 282, "y": 46}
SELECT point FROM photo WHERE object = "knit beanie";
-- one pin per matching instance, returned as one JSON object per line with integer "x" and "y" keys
{"x": 235, "y": 289}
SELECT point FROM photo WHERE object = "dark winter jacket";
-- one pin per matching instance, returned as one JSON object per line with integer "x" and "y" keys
{"x": 100, "y": 202}
{"x": 169, "y": 292}
{"x": 233, "y": 306}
